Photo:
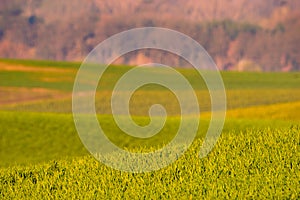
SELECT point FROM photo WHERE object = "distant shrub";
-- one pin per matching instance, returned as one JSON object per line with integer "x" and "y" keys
{"x": 32, "y": 19}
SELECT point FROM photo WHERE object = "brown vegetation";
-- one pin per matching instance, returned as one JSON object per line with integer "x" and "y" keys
{"x": 264, "y": 33}
{"x": 13, "y": 95}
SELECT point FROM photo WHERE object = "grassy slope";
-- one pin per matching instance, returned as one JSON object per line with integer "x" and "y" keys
{"x": 286, "y": 111}
{"x": 255, "y": 164}
{"x": 237, "y": 98}
{"x": 257, "y": 155}
{"x": 32, "y": 138}
{"x": 232, "y": 80}
{"x": 243, "y": 89}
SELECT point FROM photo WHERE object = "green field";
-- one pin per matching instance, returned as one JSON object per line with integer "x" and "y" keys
{"x": 41, "y": 155}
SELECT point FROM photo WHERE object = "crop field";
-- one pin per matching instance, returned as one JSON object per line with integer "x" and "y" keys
{"x": 42, "y": 156}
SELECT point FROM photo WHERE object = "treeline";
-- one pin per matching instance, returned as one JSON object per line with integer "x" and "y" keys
{"x": 234, "y": 45}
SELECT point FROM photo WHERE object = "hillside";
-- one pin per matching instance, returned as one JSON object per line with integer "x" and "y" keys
{"x": 42, "y": 156}
{"x": 239, "y": 34}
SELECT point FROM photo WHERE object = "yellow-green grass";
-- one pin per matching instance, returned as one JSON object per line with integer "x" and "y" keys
{"x": 19, "y": 81}
{"x": 142, "y": 100}
{"x": 278, "y": 111}
{"x": 61, "y": 75}
{"x": 254, "y": 164}
{"x": 282, "y": 111}
{"x": 37, "y": 137}
{"x": 41, "y": 155}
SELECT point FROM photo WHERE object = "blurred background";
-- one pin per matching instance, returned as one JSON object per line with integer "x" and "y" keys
{"x": 255, "y": 43}
{"x": 240, "y": 35}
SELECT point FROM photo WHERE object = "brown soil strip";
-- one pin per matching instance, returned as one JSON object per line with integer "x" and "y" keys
{"x": 14, "y": 95}
{"x": 9, "y": 67}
